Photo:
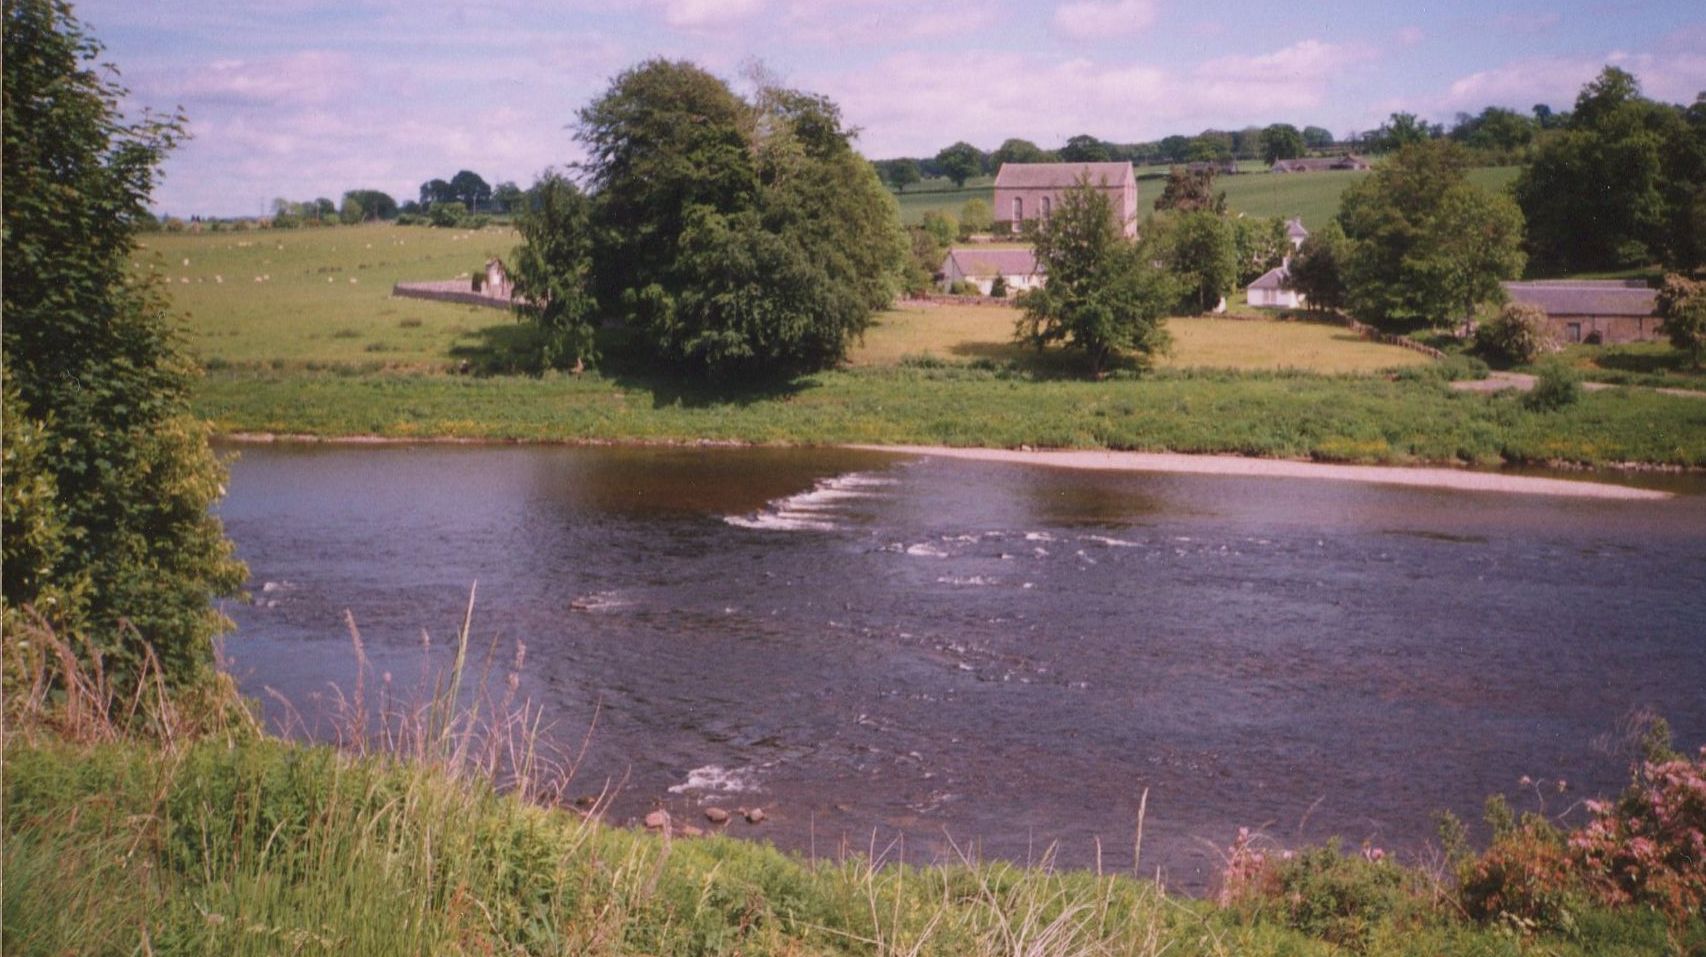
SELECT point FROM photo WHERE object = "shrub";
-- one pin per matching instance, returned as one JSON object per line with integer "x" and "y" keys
{"x": 998, "y": 288}
{"x": 964, "y": 287}
{"x": 1649, "y": 846}
{"x": 447, "y": 214}
{"x": 1321, "y": 891}
{"x": 1682, "y": 304}
{"x": 1518, "y": 334}
{"x": 1524, "y": 877}
{"x": 1558, "y": 386}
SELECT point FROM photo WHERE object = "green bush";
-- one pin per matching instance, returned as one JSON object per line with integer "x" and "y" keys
{"x": 1557, "y": 387}
{"x": 447, "y": 214}
{"x": 1518, "y": 334}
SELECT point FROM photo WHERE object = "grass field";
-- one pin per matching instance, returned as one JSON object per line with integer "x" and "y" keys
{"x": 1313, "y": 196}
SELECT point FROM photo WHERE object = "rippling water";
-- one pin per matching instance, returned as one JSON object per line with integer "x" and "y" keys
{"x": 873, "y": 646}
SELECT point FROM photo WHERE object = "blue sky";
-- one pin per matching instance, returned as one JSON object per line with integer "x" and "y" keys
{"x": 306, "y": 98}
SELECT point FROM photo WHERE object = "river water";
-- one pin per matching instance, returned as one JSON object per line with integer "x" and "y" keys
{"x": 895, "y": 652}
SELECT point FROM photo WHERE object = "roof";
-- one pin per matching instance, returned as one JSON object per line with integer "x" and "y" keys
{"x": 1060, "y": 175}
{"x": 1586, "y": 297}
{"x": 1311, "y": 164}
{"x": 1294, "y": 228}
{"x": 1274, "y": 278}
{"x": 992, "y": 262}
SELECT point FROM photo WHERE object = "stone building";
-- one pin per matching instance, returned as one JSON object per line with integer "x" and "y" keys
{"x": 1032, "y": 191}
{"x": 1593, "y": 310}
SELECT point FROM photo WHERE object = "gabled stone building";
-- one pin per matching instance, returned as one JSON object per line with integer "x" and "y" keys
{"x": 1032, "y": 191}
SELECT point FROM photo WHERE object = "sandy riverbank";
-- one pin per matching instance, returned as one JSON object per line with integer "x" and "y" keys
{"x": 1456, "y": 479}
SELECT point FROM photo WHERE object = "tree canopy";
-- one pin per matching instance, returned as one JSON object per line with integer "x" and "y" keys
{"x": 1189, "y": 190}
{"x": 1622, "y": 184}
{"x": 1104, "y": 297}
{"x": 1426, "y": 246}
{"x": 738, "y": 238}
{"x": 960, "y": 162}
{"x": 107, "y": 477}
{"x": 1281, "y": 141}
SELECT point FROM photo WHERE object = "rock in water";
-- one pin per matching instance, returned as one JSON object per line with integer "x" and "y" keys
{"x": 657, "y": 820}
{"x": 755, "y": 815}
{"x": 688, "y": 830}
{"x": 716, "y": 815}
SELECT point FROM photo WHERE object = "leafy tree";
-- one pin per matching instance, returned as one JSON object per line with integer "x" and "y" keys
{"x": 1189, "y": 190}
{"x": 1247, "y": 142}
{"x": 1201, "y": 250}
{"x": 436, "y": 191}
{"x": 1426, "y": 246}
{"x": 960, "y": 162}
{"x": 1317, "y": 138}
{"x": 924, "y": 262}
{"x": 942, "y": 226}
{"x": 447, "y": 214}
{"x": 1401, "y": 130}
{"x": 1545, "y": 118}
{"x": 1018, "y": 151}
{"x": 1208, "y": 149}
{"x": 1103, "y": 296}
{"x": 374, "y": 204}
{"x": 1084, "y": 148}
{"x": 1317, "y": 271}
{"x": 351, "y": 212}
{"x": 324, "y": 209}
{"x": 1495, "y": 130}
{"x": 904, "y": 173}
{"x": 1619, "y": 186}
{"x": 509, "y": 198}
{"x": 1281, "y": 141}
{"x": 1261, "y": 244}
{"x": 1682, "y": 305}
{"x": 976, "y": 217}
{"x": 470, "y": 189}
{"x": 738, "y": 238}
{"x": 552, "y": 271}
{"x": 107, "y": 476}
{"x": 1175, "y": 148}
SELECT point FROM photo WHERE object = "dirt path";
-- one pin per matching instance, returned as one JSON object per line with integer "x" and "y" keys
{"x": 1523, "y": 382}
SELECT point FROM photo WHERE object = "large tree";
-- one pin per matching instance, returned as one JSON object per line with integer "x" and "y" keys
{"x": 1317, "y": 270}
{"x": 1189, "y": 190}
{"x": 738, "y": 238}
{"x": 1201, "y": 250}
{"x": 1426, "y": 245}
{"x": 107, "y": 476}
{"x": 1018, "y": 151}
{"x": 1104, "y": 297}
{"x": 552, "y": 271}
{"x": 1623, "y": 184}
{"x": 960, "y": 162}
{"x": 1085, "y": 148}
{"x": 470, "y": 189}
{"x": 1281, "y": 141}
{"x": 372, "y": 203}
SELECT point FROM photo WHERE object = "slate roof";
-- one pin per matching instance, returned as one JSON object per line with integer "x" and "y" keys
{"x": 1314, "y": 164}
{"x": 1294, "y": 229}
{"x": 1059, "y": 175}
{"x": 992, "y": 262}
{"x": 1274, "y": 278}
{"x": 1586, "y": 297}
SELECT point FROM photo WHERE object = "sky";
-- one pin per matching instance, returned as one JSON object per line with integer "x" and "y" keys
{"x": 309, "y": 98}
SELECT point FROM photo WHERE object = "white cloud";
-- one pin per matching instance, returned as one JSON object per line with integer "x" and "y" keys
{"x": 708, "y": 14}
{"x": 1092, "y": 20}
{"x": 1673, "y": 77}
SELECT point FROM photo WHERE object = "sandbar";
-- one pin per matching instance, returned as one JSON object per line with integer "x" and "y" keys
{"x": 1419, "y": 477}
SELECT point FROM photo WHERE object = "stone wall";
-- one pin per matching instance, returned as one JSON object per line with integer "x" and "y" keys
{"x": 455, "y": 290}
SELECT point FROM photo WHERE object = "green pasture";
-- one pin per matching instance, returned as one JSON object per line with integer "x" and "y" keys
{"x": 321, "y": 295}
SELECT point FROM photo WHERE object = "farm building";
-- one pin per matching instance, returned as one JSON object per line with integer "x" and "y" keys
{"x": 1221, "y": 167}
{"x": 1272, "y": 290}
{"x": 1319, "y": 164}
{"x": 1593, "y": 310}
{"x": 980, "y": 267}
{"x": 1030, "y": 191}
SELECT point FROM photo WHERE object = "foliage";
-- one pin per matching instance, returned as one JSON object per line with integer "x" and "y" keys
{"x": 976, "y": 217}
{"x": 1281, "y": 141}
{"x": 107, "y": 475}
{"x": 1426, "y": 246}
{"x": 1321, "y": 891}
{"x": 1018, "y": 151}
{"x": 1649, "y": 846}
{"x": 960, "y": 162}
{"x": 1518, "y": 335}
{"x": 552, "y": 272}
{"x": 1103, "y": 296}
{"x": 1317, "y": 138}
{"x": 1682, "y": 306}
{"x": 1201, "y": 251}
{"x": 1556, "y": 387}
{"x": 943, "y": 227}
{"x": 903, "y": 173}
{"x": 1261, "y": 245}
{"x": 998, "y": 287}
{"x": 1494, "y": 130}
{"x": 1085, "y": 148}
{"x": 1524, "y": 877}
{"x": 372, "y": 203}
{"x": 1190, "y": 190}
{"x": 738, "y": 238}
{"x": 448, "y": 214}
{"x": 924, "y": 262}
{"x": 1620, "y": 185}
{"x": 1403, "y": 129}
{"x": 1317, "y": 271}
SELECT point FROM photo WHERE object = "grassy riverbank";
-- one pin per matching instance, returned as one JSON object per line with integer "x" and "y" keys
{"x": 305, "y": 350}
{"x": 1345, "y": 418}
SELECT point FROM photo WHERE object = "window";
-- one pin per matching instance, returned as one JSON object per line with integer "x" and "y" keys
{"x": 1573, "y": 331}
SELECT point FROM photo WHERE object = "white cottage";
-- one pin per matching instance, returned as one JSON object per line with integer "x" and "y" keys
{"x": 980, "y": 267}
{"x": 1272, "y": 290}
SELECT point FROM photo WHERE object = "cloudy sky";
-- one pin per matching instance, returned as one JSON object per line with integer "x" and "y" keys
{"x": 306, "y": 98}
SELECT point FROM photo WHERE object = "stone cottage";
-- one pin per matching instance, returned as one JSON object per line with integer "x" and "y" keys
{"x": 1031, "y": 191}
{"x": 1593, "y": 310}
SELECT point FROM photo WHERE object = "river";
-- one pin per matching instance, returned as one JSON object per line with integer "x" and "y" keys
{"x": 917, "y": 655}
